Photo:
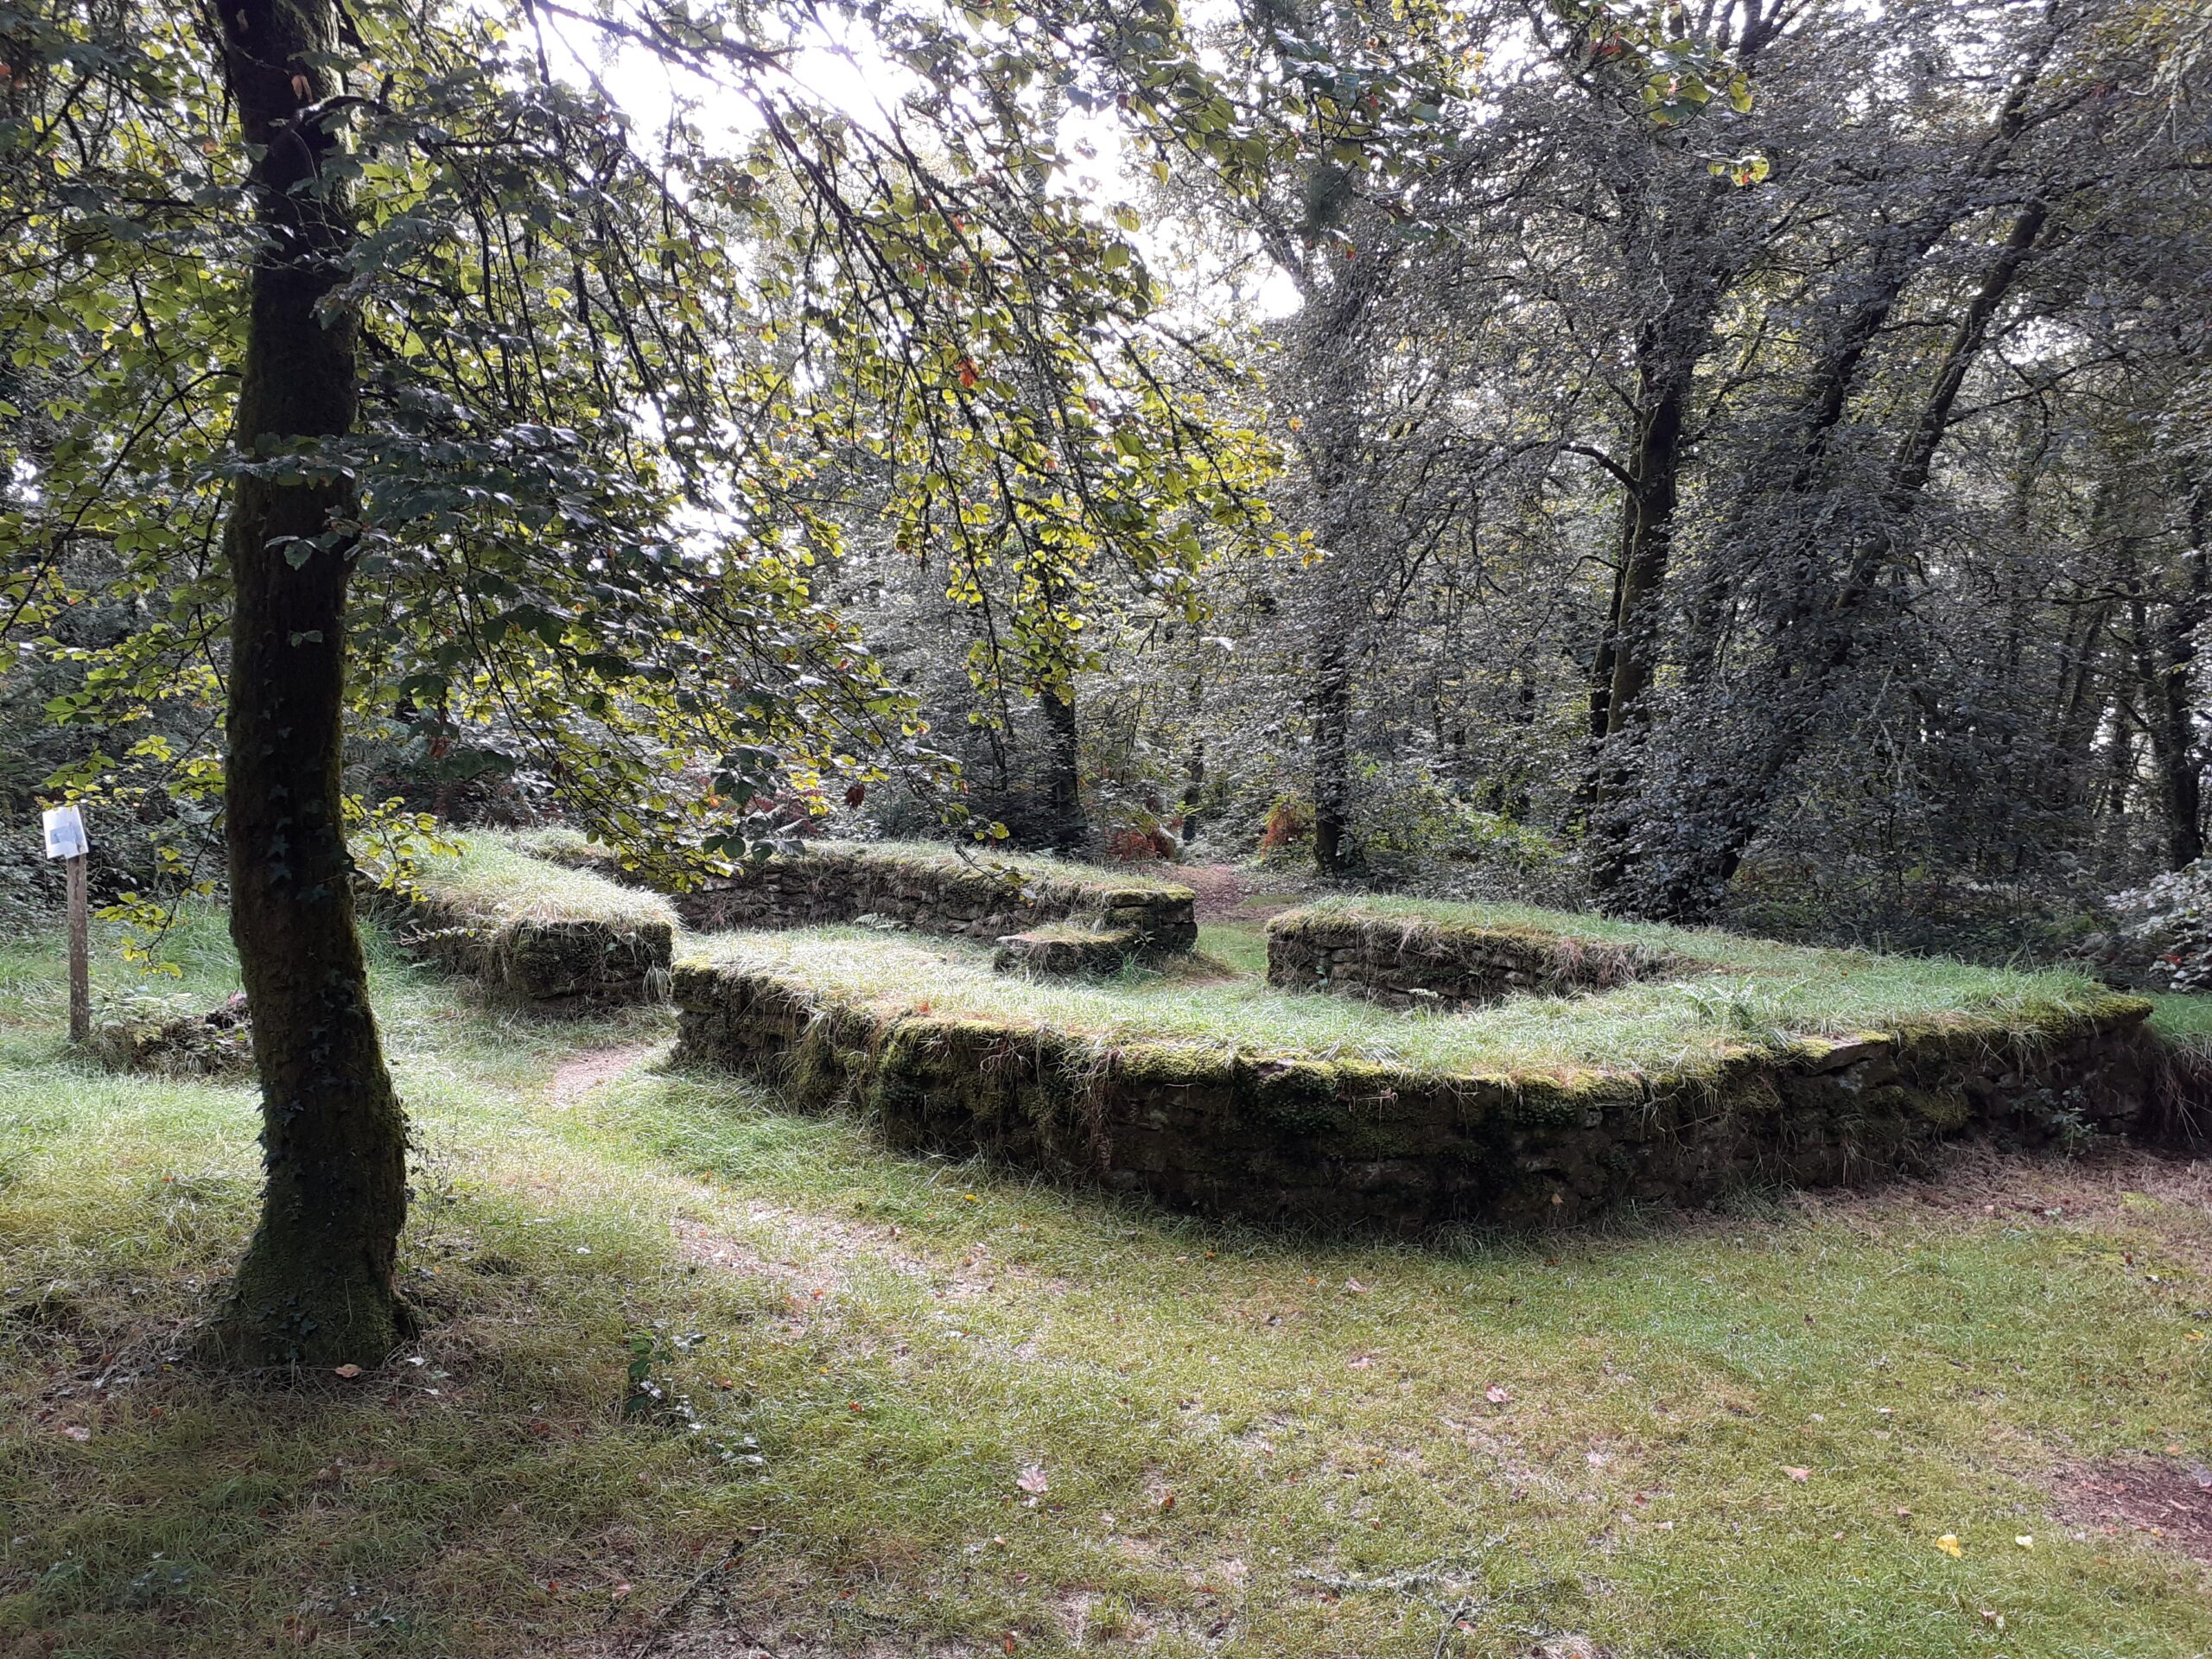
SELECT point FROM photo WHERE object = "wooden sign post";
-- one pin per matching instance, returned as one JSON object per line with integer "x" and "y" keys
{"x": 64, "y": 840}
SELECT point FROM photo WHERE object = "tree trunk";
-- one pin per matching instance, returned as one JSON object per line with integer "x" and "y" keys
{"x": 316, "y": 1286}
{"x": 1064, "y": 827}
{"x": 2165, "y": 664}
{"x": 1819, "y": 632}
{"x": 1629, "y": 660}
{"x": 1194, "y": 763}
{"x": 2185, "y": 792}
{"x": 1647, "y": 536}
{"x": 2120, "y": 768}
{"x": 1329, "y": 707}
{"x": 2074, "y": 731}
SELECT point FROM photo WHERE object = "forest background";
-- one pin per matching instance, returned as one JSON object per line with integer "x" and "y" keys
{"x": 1743, "y": 460}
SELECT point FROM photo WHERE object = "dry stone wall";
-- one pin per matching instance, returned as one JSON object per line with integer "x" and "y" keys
{"x": 1402, "y": 963}
{"x": 831, "y": 883}
{"x": 546, "y": 962}
{"x": 1343, "y": 1142}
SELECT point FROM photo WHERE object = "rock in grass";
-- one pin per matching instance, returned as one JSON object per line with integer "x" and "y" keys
{"x": 153, "y": 1035}
{"x": 1070, "y": 949}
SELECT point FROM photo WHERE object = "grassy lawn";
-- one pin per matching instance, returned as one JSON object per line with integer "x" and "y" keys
{"x": 494, "y": 880}
{"x": 1747, "y": 994}
{"x": 988, "y": 1412}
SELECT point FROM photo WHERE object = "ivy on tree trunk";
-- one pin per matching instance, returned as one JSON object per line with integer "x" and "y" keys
{"x": 316, "y": 1286}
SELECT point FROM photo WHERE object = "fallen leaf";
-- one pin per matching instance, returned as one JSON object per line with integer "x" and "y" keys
{"x": 1948, "y": 1543}
{"x": 1033, "y": 1480}
{"x": 78, "y": 1432}
{"x": 1361, "y": 1363}
{"x": 1166, "y": 1501}
{"x": 1801, "y": 1476}
{"x": 1496, "y": 1396}
{"x": 1354, "y": 1285}
{"x": 348, "y": 1371}
{"x": 2025, "y": 1540}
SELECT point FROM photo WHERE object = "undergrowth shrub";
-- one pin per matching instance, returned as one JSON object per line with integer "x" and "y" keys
{"x": 2165, "y": 927}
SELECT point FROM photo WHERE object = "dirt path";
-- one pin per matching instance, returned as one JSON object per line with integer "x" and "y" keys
{"x": 580, "y": 1074}
{"x": 1227, "y": 891}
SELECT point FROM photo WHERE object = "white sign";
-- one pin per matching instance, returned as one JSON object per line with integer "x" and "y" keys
{"x": 64, "y": 832}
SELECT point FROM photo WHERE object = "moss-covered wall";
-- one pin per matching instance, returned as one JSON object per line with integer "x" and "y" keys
{"x": 534, "y": 960}
{"x": 840, "y": 884}
{"x": 1403, "y": 963}
{"x": 1340, "y": 1142}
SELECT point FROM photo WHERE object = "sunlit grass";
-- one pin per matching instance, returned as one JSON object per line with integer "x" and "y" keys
{"x": 495, "y": 880}
{"x": 2183, "y": 1019}
{"x": 1250, "y": 1443}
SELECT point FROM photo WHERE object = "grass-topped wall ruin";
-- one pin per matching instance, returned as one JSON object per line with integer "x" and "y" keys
{"x": 531, "y": 929}
{"x": 1452, "y": 957}
{"x": 928, "y": 887}
{"x": 1226, "y": 1095}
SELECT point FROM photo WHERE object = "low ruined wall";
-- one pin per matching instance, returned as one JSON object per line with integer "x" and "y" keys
{"x": 541, "y": 962}
{"x": 840, "y": 884}
{"x": 1403, "y": 963}
{"x": 1355, "y": 1143}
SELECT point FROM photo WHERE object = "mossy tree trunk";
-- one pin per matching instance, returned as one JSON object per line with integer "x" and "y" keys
{"x": 2165, "y": 652}
{"x": 316, "y": 1286}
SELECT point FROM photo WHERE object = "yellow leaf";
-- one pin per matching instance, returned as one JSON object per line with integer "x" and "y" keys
{"x": 1948, "y": 1543}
